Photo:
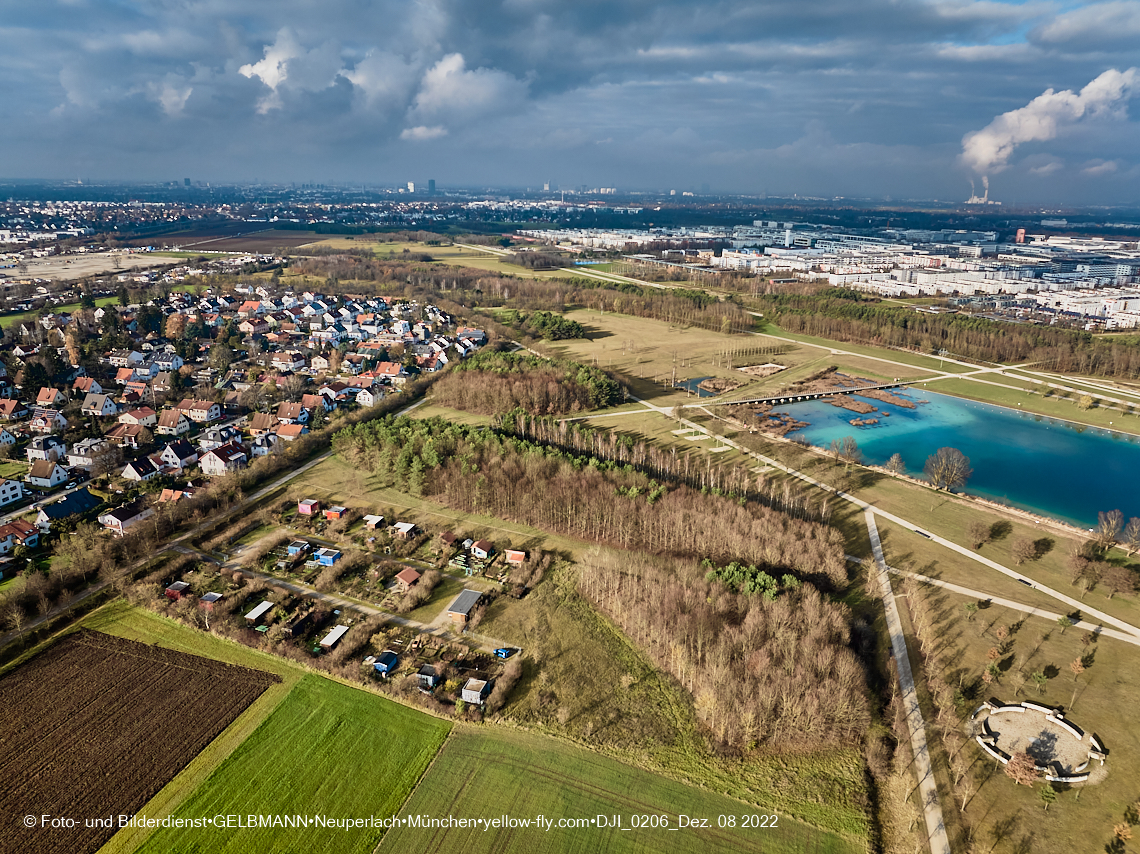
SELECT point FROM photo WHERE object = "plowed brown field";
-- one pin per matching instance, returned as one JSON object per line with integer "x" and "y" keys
{"x": 95, "y": 725}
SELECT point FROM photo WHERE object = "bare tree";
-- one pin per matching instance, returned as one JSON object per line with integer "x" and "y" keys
{"x": 1022, "y": 769}
{"x": 948, "y": 468}
{"x": 1132, "y": 535}
{"x": 1022, "y": 550}
{"x": 1118, "y": 579}
{"x": 895, "y": 464}
{"x": 1109, "y": 526}
{"x": 978, "y": 533}
{"x": 293, "y": 385}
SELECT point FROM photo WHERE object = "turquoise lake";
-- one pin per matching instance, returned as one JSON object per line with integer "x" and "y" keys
{"x": 1054, "y": 468}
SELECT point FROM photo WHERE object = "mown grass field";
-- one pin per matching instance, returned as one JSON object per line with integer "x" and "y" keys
{"x": 950, "y": 517}
{"x": 327, "y": 749}
{"x": 490, "y": 773}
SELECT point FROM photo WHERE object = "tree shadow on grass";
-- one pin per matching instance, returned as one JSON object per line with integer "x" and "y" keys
{"x": 1000, "y": 530}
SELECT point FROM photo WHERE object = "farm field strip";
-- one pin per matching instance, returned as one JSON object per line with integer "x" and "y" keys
{"x": 490, "y": 773}
{"x": 328, "y": 749}
{"x": 94, "y": 707}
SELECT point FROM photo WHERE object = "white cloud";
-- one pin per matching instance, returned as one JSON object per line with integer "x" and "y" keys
{"x": 271, "y": 69}
{"x": 288, "y": 65}
{"x": 450, "y": 91}
{"x": 421, "y": 133}
{"x": 1095, "y": 24}
{"x": 172, "y": 94}
{"x": 1096, "y": 168}
{"x": 1046, "y": 169}
{"x": 989, "y": 149}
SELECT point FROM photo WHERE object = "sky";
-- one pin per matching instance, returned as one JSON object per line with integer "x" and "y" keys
{"x": 901, "y": 98}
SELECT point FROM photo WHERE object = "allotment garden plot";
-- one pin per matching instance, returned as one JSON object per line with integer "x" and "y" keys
{"x": 95, "y": 725}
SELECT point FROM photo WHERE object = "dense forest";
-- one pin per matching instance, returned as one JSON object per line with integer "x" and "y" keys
{"x": 479, "y": 470}
{"x": 762, "y": 671}
{"x": 490, "y": 383}
{"x": 845, "y": 315}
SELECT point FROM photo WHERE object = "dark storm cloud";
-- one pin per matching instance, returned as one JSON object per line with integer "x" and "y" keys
{"x": 827, "y": 97}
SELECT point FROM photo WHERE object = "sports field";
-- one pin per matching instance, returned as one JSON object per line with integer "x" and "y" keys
{"x": 327, "y": 750}
{"x": 491, "y": 774}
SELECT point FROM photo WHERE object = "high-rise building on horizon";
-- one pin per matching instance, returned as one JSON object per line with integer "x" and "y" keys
{"x": 411, "y": 186}
{"x": 431, "y": 186}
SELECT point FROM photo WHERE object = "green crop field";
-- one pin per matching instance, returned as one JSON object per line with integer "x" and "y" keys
{"x": 328, "y": 749}
{"x": 486, "y": 774}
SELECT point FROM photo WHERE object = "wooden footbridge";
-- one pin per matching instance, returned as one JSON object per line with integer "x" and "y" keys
{"x": 814, "y": 395}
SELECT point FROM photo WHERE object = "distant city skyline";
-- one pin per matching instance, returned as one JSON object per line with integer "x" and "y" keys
{"x": 908, "y": 99}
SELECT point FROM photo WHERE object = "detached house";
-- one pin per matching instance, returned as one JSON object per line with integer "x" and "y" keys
{"x": 168, "y": 362}
{"x": 46, "y": 474}
{"x": 122, "y": 519}
{"x": 391, "y": 371}
{"x": 201, "y": 411}
{"x": 179, "y": 454}
{"x": 87, "y": 385}
{"x": 18, "y": 533}
{"x": 144, "y": 416}
{"x": 222, "y": 459}
{"x": 47, "y": 421}
{"x": 292, "y": 413}
{"x": 312, "y": 402}
{"x": 99, "y": 405}
{"x": 80, "y": 501}
{"x": 50, "y": 397}
{"x": 85, "y": 453}
{"x": 10, "y": 490}
{"x": 45, "y": 448}
{"x": 12, "y": 410}
{"x": 172, "y": 423}
{"x": 262, "y": 423}
{"x": 140, "y": 469}
{"x": 290, "y": 360}
{"x": 126, "y": 434}
{"x": 367, "y": 397}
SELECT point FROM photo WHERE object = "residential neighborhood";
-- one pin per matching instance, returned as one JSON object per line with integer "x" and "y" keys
{"x": 143, "y": 396}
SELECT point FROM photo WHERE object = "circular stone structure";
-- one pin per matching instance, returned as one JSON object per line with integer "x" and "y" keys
{"x": 1062, "y": 751}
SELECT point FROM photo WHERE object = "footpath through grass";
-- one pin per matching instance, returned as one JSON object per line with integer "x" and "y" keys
{"x": 488, "y": 774}
{"x": 328, "y": 750}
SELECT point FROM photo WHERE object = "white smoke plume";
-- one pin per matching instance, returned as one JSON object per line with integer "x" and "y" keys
{"x": 988, "y": 150}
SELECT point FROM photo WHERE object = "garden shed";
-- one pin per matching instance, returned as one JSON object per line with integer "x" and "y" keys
{"x": 475, "y": 691}
{"x": 386, "y": 663}
{"x": 259, "y": 612}
{"x": 209, "y": 600}
{"x": 427, "y": 677}
{"x": 460, "y": 609}
{"x": 330, "y": 640}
